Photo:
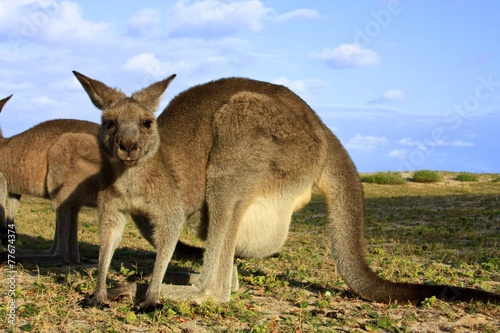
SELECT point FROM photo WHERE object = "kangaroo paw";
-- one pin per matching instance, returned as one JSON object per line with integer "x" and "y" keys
{"x": 146, "y": 307}
{"x": 94, "y": 301}
{"x": 126, "y": 290}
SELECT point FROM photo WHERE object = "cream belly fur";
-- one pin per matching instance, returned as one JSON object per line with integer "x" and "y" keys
{"x": 264, "y": 227}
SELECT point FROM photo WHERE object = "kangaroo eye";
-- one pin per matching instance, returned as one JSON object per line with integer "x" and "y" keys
{"x": 108, "y": 124}
{"x": 147, "y": 123}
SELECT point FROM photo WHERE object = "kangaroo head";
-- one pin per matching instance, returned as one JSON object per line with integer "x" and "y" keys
{"x": 3, "y": 101}
{"x": 129, "y": 133}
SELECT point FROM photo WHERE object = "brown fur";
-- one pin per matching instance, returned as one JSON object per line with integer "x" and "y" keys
{"x": 236, "y": 158}
{"x": 3, "y": 192}
{"x": 57, "y": 160}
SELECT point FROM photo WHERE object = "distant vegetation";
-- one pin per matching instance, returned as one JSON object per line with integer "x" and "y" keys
{"x": 427, "y": 176}
{"x": 385, "y": 178}
{"x": 467, "y": 177}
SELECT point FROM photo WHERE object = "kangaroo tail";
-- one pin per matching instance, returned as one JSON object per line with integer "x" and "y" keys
{"x": 343, "y": 193}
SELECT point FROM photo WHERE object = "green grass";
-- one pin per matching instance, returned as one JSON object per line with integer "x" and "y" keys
{"x": 467, "y": 177}
{"x": 384, "y": 178}
{"x": 427, "y": 176}
{"x": 434, "y": 233}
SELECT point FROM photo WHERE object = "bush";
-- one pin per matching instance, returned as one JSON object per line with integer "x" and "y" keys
{"x": 496, "y": 179}
{"x": 427, "y": 176}
{"x": 467, "y": 177}
{"x": 385, "y": 178}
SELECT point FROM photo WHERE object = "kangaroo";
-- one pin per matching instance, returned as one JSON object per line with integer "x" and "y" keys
{"x": 57, "y": 160}
{"x": 3, "y": 191}
{"x": 232, "y": 158}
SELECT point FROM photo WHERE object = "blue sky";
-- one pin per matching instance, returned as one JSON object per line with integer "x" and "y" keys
{"x": 405, "y": 85}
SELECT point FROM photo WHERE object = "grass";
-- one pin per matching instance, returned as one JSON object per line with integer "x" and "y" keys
{"x": 495, "y": 179}
{"x": 437, "y": 233}
{"x": 384, "y": 178}
{"x": 467, "y": 177}
{"x": 427, "y": 176}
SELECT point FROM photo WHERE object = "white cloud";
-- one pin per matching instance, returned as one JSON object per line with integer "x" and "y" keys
{"x": 216, "y": 18}
{"x": 347, "y": 56}
{"x": 144, "y": 22}
{"x": 365, "y": 142}
{"x": 434, "y": 143}
{"x": 44, "y": 100}
{"x": 66, "y": 84}
{"x": 70, "y": 25}
{"x": 24, "y": 85}
{"x": 408, "y": 142}
{"x": 10, "y": 11}
{"x": 296, "y": 86}
{"x": 149, "y": 64}
{"x": 456, "y": 143}
{"x": 48, "y": 20}
{"x": 391, "y": 95}
{"x": 397, "y": 153}
{"x": 297, "y": 14}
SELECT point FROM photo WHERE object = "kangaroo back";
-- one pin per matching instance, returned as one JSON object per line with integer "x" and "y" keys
{"x": 189, "y": 123}
{"x": 31, "y": 164}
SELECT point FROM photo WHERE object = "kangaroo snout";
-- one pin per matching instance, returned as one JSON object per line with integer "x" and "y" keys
{"x": 127, "y": 149}
{"x": 128, "y": 145}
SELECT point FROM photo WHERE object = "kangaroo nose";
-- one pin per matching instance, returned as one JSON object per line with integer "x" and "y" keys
{"x": 128, "y": 146}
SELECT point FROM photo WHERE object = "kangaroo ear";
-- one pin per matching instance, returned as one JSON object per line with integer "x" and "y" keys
{"x": 100, "y": 94}
{"x": 150, "y": 96}
{"x": 3, "y": 101}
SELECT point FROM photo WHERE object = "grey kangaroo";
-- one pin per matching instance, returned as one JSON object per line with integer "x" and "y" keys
{"x": 58, "y": 160}
{"x": 232, "y": 158}
{"x": 3, "y": 192}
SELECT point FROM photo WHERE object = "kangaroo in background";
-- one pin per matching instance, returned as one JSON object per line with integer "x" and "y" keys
{"x": 56, "y": 160}
{"x": 232, "y": 158}
{"x": 3, "y": 192}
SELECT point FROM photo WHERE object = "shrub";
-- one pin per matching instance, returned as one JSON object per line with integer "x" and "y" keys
{"x": 385, "y": 178}
{"x": 427, "y": 176}
{"x": 467, "y": 177}
{"x": 496, "y": 179}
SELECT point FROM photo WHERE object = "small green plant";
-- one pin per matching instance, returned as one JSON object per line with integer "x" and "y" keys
{"x": 125, "y": 271}
{"x": 384, "y": 178}
{"x": 429, "y": 302}
{"x": 427, "y": 176}
{"x": 467, "y": 177}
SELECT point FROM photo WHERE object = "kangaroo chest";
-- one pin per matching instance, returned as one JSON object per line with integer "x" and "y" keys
{"x": 133, "y": 192}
